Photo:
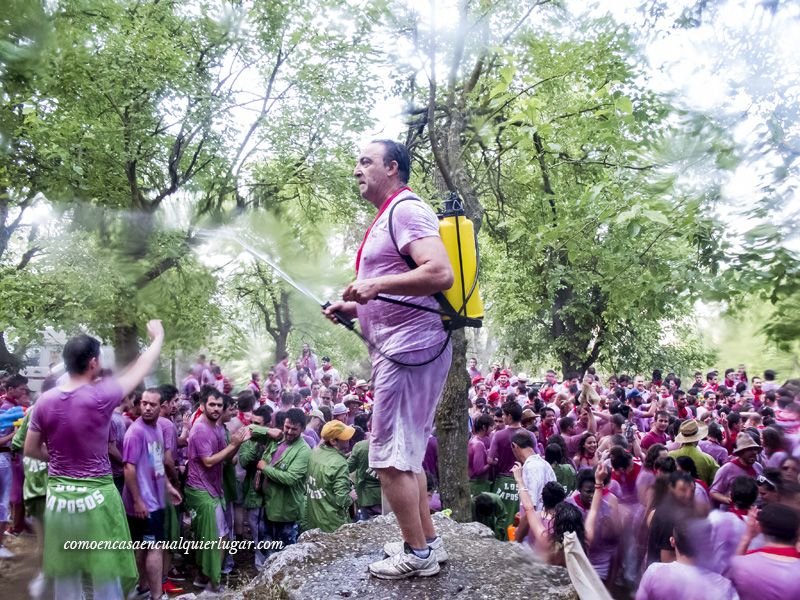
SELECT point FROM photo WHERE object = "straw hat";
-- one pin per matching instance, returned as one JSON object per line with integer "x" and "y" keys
{"x": 744, "y": 441}
{"x": 691, "y": 431}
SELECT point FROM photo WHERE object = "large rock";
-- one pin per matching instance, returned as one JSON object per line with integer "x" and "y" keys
{"x": 334, "y": 566}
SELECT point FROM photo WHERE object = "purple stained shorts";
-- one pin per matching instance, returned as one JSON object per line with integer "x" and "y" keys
{"x": 405, "y": 405}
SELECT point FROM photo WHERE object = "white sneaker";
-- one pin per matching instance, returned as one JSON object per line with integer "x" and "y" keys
{"x": 437, "y": 546}
{"x": 5, "y": 552}
{"x": 36, "y": 586}
{"x": 405, "y": 564}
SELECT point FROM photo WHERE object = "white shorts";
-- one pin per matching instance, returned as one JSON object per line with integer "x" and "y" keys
{"x": 405, "y": 406}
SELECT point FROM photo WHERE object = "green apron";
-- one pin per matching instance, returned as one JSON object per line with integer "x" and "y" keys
{"x": 478, "y": 486}
{"x": 505, "y": 487}
{"x": 202, "y": 507}
{"x": 86, "y": 510}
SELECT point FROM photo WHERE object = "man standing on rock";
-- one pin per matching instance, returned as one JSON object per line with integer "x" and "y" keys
{"x": 405, "y": 397}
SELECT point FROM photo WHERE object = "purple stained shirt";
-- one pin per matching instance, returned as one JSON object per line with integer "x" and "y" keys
{"x": 430, "y": 462}
{"x": 144, "y": 449}
{"x": 205, "y": 440}
{"x": 74, "y": 426}
{"x": 170, "y": 433}
{"x": 604, "y": 548}
{"x": 500, "y": 449}
{"x": 668, "y": 581}
{"x": 726, "y": 532}
{"x": 476, "y": 457}
{"x": 311, "y": 437}
{"x": 775, "y": 460}
{"x": 644, "y": 483}
{"x": 390, "y": 327}
{"x": 651, "y": 438}
{"x": 762, "y": 576}
{"x": 715, "y": 451}
{"x": 116, "y": 434}
{"x": 726, "y": 474}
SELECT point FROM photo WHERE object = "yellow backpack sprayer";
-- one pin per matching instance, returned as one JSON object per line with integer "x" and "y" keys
{"x": 460, "y": 306}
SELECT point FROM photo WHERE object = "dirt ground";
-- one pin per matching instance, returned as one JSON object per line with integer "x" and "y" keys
{"x": 15, "y": 573}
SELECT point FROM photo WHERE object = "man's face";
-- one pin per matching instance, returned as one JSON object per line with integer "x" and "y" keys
{"x": 550, "y": 378}
{"x": 672, "y": 385}
{"x": 341, "y": 445}
{"x": 15, "y": 393}
{"x": 503, "y": 392}
{"x": 305, "y": 348}
{"x": 549, "y": 418}
{"x": 167, "y": 408}
{"x": 372, "y": 176}
{"x": 586, "y": 492}
{"x": 584, "y": 417}
{"x": 230, "y": 412}
{"x": 502, "y": 380}
{"x": 756, "y": 383}
{"x": 212, "y": 409}
{"x": 638, "y": 383}
{"x": 711, "y": 402}
{"x": 499, "y": 423}
{"x": 325, "y": 396}
{"x": 683, "y": 492}
{"x": 480, "y": 390}
{"x": 291, "y": 431}
{"x": 314, "y": 390}
{"x": 257, "y": 420}
{"x": 661, "y": 424}
{"x": 150, "y": 407}
{"x": 473, "y": 363}
{"x": 681, "y": 401}
{"x": 748, "y": 456}
{"x": 698, "y": 378}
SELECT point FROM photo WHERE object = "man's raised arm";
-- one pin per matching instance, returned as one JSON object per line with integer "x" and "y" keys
{"x": 136, "y": 372}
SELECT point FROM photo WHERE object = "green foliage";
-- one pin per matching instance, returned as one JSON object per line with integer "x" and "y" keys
{"x": 593, "y": 226}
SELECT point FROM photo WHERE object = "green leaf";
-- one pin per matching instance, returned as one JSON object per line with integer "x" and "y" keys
{"x": 655, "y": 216}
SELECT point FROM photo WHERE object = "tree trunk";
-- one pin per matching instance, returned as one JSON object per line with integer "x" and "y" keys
{"x": 452, "y": 434}
{"x": 8, "y": 361}
{"x": 280, "y": 345}
{"x": 126, "y": 345}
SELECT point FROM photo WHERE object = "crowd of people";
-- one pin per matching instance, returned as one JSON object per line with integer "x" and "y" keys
{"x": 663, "y": 487}
{"x": 675, "y": 490}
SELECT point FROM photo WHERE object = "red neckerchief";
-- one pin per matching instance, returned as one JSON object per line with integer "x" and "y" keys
{"x": 326, "y": 367}
{"x": 741, "y": 513}
{"x": 747, "y": 469}
{"x": 378, "y": 216}
{"x": 777, "y": 551}
{"x": 242, "y": 418}
{"x": 730, "y": 383}
{"x": 577, "y": 498}
{"x": 683, "y": 412}
{"x": 627, "y": 481}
